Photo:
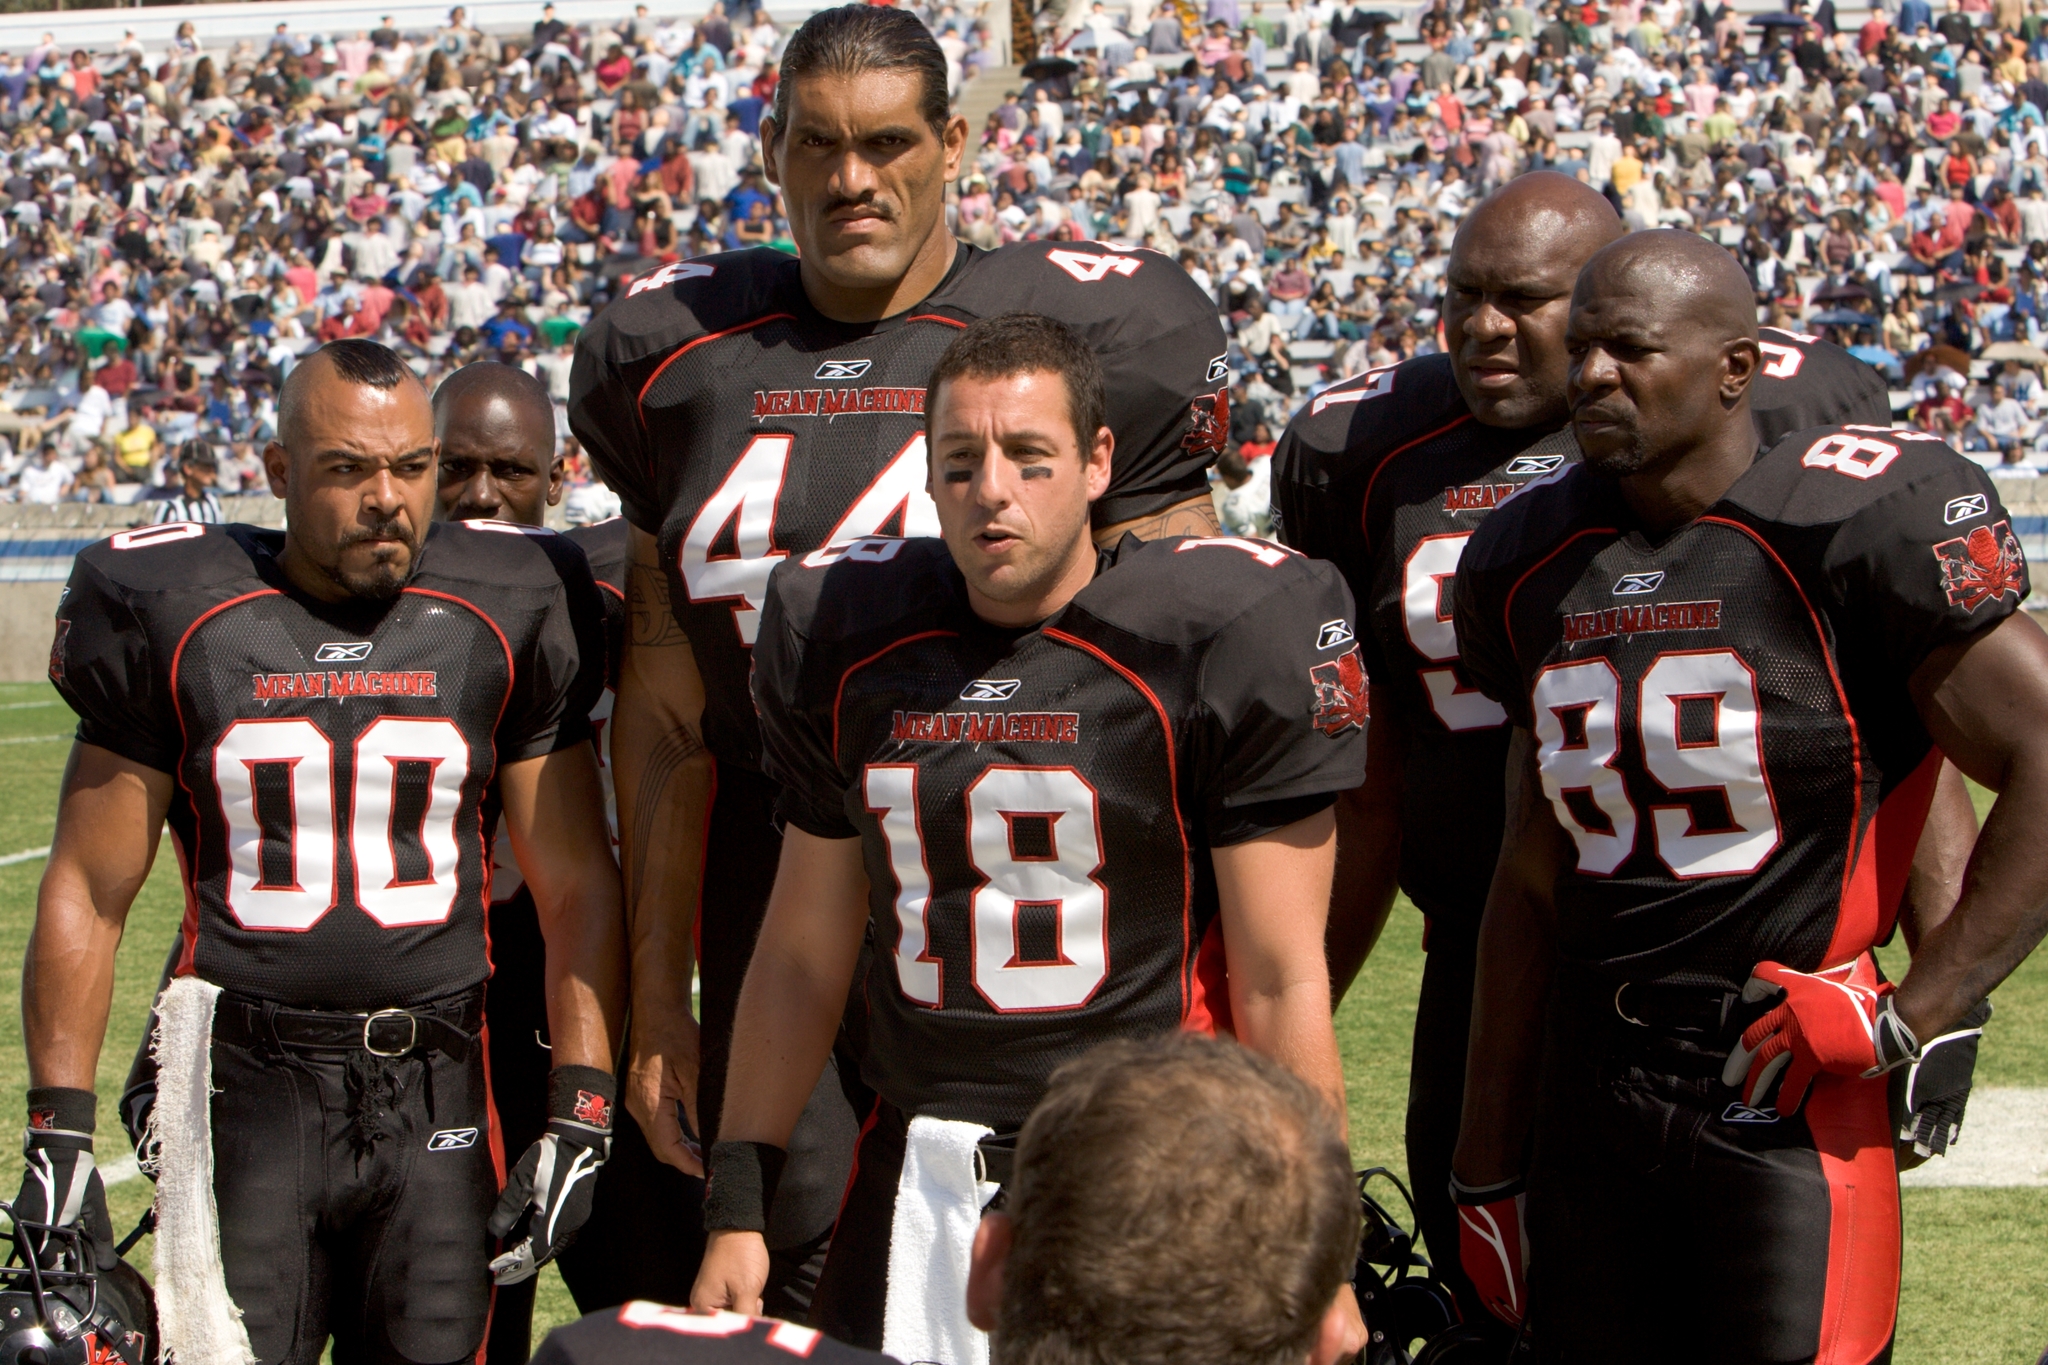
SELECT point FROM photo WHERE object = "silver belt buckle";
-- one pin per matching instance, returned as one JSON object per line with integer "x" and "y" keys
{"x": 412, "y": 1038}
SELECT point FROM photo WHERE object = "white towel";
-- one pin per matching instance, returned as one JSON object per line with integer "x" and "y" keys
{"x": 199, "y": 1321}
{"x": 938, "y": 1206}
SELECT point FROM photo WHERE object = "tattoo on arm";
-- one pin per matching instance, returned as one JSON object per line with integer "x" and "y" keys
{"x": 1195, "y": 517}
{"x": 654, "y": 621}
{"x": 669, "y": 754}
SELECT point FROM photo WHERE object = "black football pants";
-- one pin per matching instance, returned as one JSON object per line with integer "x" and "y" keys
{"x": 1668, "y": 1221}
{"x": 1436, "y": 1098}
{"x": 853, "y": 1290}
{"x": 353, "y": 1193}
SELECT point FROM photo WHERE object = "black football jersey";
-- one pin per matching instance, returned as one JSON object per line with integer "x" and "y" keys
{"x": 1036, "y": 805}
{"x": 1387, "y": 475}
{"x": 1722, "y": 716}
{"x": 643, "y": 1333}
{"x": 604, "y": 546}
{"x": 332, "y": 759}
{"x": 740, "y": 426}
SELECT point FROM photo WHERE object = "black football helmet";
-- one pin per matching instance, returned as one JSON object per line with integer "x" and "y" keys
{"x": 1402, "y": 1298}
{"x": 67, "y": 1312}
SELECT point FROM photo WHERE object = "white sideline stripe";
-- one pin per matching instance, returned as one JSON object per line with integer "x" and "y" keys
{"x": 27, "y": 855}
{"x": 120, "y": 1170}
{"x": 2004, "y": 1143}
{"x": 28, "y": 705}
{"x": 35, "y": 739}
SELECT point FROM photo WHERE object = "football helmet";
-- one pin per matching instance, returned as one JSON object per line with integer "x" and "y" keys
{"x": 70, "y": 1313}
{"x": 1400, "y": 1295}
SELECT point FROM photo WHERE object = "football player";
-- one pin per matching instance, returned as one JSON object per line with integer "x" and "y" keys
{"x": 1079, "y": 793}
{"x": 1720, "y": 777}
{"x": 755, "y": 406}
{"x": 499, "y": 461}
{"x": 1093, "y": 1256}
{"x": 1387, "y": 475}
{"x": 318, "y": 713}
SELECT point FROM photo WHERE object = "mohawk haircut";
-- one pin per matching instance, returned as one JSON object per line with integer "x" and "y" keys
{"x": 1027, "y": 343}
{"x": 850, "y": 40}
{"x": 359, "y": 362}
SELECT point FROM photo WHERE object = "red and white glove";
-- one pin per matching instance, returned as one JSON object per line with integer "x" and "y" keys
{"x": 1839, "y": 1021}
{"x": 1493, "y": 1247}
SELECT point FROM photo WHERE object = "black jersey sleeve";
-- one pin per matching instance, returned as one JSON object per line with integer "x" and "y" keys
{"x": 604, "y": 545}
{"x": 796, "y": 721}
{"x": 1931, "y": 562}
{"x": 1807, "y": 382}
{"x": 1283, "y": 707}
{"x": 604, "y": 412}
{"x": 559, "y": 671}
{"x": 1319, "y": 486}
{"x": 1486, "y": 573}
{"x": 101, "y": 663}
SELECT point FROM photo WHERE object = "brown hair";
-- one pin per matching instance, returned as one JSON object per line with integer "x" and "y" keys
{"x": 1025, "y": 343}
{"x": 1181, "y": 1201}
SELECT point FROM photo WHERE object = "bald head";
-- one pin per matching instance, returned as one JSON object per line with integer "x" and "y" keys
{"x": 496, "y": 426}
{"x": 1509, "y": 291}
{"x": 1664, "y": 347}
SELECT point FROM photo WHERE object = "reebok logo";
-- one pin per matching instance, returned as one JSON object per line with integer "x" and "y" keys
{"x": 452, "y": 1140}
{"x": 1739, "y": 1112}
{"x": 842, "y": 369}
{"x": 342, "y": 652}
{"x": 1962, "y": 509}
{"x": 991, "y": 689}
{"x": 1524, "y": 465}
{"x": 1334, "y": 633}
{"x": 1219, "y": 368}
{"x": 1634, "y": 584}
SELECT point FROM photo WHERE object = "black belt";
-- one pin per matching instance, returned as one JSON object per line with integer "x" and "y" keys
{"x": 1663, "y": 1008}
{"x": 995, "y": 1156}
{"x": 448, "y": 1026}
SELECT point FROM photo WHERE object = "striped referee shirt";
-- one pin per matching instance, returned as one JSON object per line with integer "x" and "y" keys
{"x": 204, "y": 508}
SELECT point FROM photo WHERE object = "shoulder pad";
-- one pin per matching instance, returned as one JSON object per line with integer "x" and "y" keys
{"x": 871, "y": 586}
{"x": 501, "y": 553}
{"x": 687, "y": 299}
{"x": 1535, "y": 519}
{"x": 1118, "y": 298}
{"x": 1829, "y": 474}
{"x": 1807, "y": 382}
{"x": 1361, "y": 420}
{"x": 604, "y": 544}
{"x": 178, "y": 554}
{"x": 1185, "y": 589}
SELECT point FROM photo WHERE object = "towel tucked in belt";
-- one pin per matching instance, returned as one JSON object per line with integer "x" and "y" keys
{"x": 939, "y": 1200}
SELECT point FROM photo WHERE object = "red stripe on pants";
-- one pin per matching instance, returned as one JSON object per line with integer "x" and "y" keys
{"x": 1850, "y": 1119}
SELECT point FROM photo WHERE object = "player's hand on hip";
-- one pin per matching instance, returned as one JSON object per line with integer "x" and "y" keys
{"x": 548, "y": 1194}
{"x": 61, "y": 1185}
{"x": 1839, "y": 1022}
{"x": 733, "y": 1274}
{"x": 1493, "y": 1246}
{"x": 661, "y": 1089}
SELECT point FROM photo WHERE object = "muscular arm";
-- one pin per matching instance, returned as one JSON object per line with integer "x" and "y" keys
{"x": 1935, "y": 880}
{"x": 789, "y": 1011}
{"x": 554, "y": 812}
{"x": 662, "y": 777}
{"x": 109, "y": 814}
{"x": 1512, "y": 982}
{"x": 1275, "y": 894}
{"x": 1985, "y": 701}
{"x": 1368, "y": 852}
{"x": 1195, "y": 517}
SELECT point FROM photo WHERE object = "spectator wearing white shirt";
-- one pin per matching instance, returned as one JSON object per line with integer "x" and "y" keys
{"x": 44, "y": 479}
{"x": 470, "y": 303}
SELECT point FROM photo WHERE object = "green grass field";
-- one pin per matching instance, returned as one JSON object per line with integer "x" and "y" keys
{"x": 1976, "y": 1274}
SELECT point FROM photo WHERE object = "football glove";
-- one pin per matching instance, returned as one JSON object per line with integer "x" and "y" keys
{"x": 1928, "y": 1096}
{"x": 1493, "y": 1246}
{"x": 547, "y": 1196}
{"x": 62, "y": 1187}
{"x": 1839, "y": 1021}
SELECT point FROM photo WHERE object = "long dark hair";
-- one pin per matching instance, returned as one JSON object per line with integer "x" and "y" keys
{"x": 851, "y": 39}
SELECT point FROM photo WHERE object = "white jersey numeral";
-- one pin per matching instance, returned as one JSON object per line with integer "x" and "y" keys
{"x": 1034, "y": 841}
{"x": 1718, "y": 749}
{"x": 717, "y": 1322}
{"x": 899, "y": 488}
{"x": 1426, "y": 617}
{"x": 890, "y": 790}
{"x": 277, "y": 797}
{"x": 748, "y": 497}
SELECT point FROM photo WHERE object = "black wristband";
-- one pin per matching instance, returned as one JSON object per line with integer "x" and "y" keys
{"x": 584, "y": 1095}
{"x": 739, "y": 1186}
{"x": 57, "y": 1108}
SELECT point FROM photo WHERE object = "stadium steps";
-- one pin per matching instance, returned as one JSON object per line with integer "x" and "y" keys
{"x": 979, "y": 98}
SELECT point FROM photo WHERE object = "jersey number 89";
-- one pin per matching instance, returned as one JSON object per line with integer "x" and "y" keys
{"x": 1033, "y": 840}
{"x": 276, "y": 784}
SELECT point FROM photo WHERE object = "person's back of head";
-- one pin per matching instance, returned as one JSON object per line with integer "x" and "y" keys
{"x": 1181, "y": 1201}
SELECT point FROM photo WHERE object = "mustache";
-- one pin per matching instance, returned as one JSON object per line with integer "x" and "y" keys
{"x": 881, "y": 207}
{"x": 390, "y": 528}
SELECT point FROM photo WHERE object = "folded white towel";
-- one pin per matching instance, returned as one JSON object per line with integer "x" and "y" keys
{"x": 938, "y": 1207}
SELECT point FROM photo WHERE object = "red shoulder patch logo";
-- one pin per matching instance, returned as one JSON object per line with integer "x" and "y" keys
{"x": 1982, "y": 566}
{"x": 593, "y": 1109}
{"x": 57, "y": 650}
{"x": 1340, "y": 693}
{"x": 1208, "y": 422}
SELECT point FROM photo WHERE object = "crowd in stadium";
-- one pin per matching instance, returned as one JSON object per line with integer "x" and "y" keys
{"x": 183, "y": 222}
